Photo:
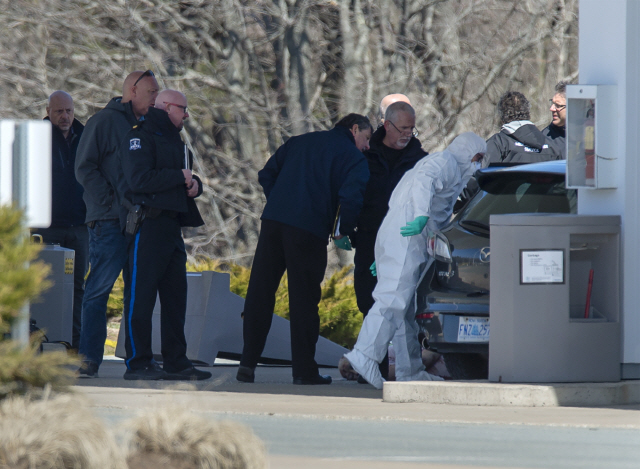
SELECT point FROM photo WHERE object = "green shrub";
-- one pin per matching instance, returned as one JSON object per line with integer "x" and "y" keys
{"x": 23, "y": 369}
{"x": 340, "y": 319}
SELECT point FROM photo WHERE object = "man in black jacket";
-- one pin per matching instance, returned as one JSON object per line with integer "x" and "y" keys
{"x": 159, "y": 192}
{"x": 67, "y": 207}
{"x": 98, "y": 170}
{"x": 393, "y": 151}
{"x": 314, "y": 185}
{"x": 519, "y": 141}
{"x": 555, "y": 131}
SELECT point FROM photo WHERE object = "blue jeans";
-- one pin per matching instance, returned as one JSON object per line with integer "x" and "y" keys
{"x": 107, "y": 256}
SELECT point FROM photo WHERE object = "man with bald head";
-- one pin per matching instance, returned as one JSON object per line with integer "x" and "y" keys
{"x": 390, "y": 99}
{"x": 393, "y": 150}
{"x": 159, "y": 200}
{"x": 98, "y": 170}
{"x": 67, "y": 207}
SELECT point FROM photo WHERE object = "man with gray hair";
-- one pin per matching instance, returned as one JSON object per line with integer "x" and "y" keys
{"x": 388, "y": 100}
{"x": 68, "y": 210}
{"x": 555, "y": 131}
{"x": 519, "y": 141}
{"x": 393, "y": 150}
{"x": 158, "y": 200}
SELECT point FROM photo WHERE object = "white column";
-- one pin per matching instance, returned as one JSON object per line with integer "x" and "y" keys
{"x": 609, "y": 55}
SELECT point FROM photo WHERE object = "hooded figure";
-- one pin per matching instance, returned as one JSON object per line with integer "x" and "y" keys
{"x": 424, "y": 197}
{"x": 519, "y": 140}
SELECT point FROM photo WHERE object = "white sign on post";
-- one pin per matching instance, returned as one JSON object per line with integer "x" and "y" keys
{"x": 25, "y": 169}
{"x": 25, "y": 180}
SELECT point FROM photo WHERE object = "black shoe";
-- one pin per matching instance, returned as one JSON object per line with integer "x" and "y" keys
{"x": 320, "y": 379}
{"x": 188, "y": 374}
{"x": 88, "y": 369}
{"x": 246, "y": 374}
{"x": 151, "y": 372}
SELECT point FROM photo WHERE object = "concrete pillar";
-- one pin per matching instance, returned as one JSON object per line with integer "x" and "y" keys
{"x": 609, "y": 54}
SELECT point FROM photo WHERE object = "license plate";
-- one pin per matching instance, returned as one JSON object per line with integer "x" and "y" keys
{"x": 472, "y": 329}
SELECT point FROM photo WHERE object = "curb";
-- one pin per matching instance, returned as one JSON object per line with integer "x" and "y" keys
{"x": 483, "y": 393}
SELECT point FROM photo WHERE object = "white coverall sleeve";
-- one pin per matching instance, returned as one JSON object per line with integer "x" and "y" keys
{"x": 426, "y": 183}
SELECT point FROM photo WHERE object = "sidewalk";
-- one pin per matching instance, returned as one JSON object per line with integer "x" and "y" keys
{"x": 343, "y": 399}
{"x": 274, "y": 395}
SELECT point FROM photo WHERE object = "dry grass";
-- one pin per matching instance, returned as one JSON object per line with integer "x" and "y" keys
{"x": 60, "y": 432}
{"x": 179, "y": 435}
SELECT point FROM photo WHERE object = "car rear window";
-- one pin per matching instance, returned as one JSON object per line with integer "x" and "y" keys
{"x": 525, "y": 194}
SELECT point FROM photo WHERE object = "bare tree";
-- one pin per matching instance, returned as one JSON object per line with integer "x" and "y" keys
{"x": 258, "y": 72}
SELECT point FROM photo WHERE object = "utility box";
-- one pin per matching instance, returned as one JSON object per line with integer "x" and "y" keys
{"x": 53, "y": 312}
{"x": 555, "y": 298}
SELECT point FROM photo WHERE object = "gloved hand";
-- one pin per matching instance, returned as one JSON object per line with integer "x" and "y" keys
{"x": 414, "y": 227}
{"x": 373, "y": 269}
{"x": 343, "y": 243}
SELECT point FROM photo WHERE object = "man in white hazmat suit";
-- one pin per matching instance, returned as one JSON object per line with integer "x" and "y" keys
{"x": 423, "y": 198}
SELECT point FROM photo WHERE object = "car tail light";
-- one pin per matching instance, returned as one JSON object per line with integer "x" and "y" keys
{"x": 425, "y": 316}
{"x": 438, "y": 247}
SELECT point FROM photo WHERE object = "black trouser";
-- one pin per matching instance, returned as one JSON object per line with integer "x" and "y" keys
{"x": 76, "y": 238}
{"x": 157, "y": 265}
{"x": 364, "y": 283}
{"x": 304, "y": 257}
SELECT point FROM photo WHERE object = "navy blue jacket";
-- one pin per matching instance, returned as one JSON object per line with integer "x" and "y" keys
{"x": 153, "y": 157}
{"x": 67, "y": 207}
{"x": 384, "y": 178}
{"x": 309, "y": 176}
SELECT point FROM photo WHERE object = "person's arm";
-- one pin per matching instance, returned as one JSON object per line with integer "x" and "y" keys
{"x": 268, "y": 175}
{"x": 351, "y": 195}
{"x": 138, "y": 164}
{"x": 88, "y": 160}
{"x": 196, "y": 187}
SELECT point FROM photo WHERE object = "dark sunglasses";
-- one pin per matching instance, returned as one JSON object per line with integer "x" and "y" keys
{"x": 184, "y": 108}
{"x": 147, "y": 73}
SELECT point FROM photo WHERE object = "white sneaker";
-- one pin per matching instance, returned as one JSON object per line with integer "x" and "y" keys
{"x": 366, "y": 367}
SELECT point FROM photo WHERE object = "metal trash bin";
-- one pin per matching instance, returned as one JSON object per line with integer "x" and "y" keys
{"x": 53, "y": 312}
{"x": 555, "y": 298}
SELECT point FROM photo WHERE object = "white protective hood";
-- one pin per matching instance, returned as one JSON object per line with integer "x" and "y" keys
{"x": 433, "y": 185}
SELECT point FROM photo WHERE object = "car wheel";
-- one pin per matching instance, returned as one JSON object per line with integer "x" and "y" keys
{"x": 467, "y": 365}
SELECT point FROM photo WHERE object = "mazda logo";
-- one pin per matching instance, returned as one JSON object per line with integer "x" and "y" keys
{"x": 485, "y": 254}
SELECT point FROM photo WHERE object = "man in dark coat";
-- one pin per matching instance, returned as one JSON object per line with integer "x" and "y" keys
{"x": 393, "y": 151}
{"x": 98, "y": 170}
{"x": 67, "y": 207}
{"x": 159, "y": 191}
{"x": 555, "y": 131}
{"x": 314, "y": 185}
{"x": 519, "y": 141}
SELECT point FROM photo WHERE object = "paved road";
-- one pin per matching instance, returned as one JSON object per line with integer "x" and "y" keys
{"x": 346, "y": 425}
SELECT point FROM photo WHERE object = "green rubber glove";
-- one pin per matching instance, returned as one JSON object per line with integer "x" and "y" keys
{"x": 343, "y": 243}
{"x": 414, "y": 227}
{"x": 373, "y": 269}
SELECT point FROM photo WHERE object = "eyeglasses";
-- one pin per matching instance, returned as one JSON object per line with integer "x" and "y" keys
{"x": 559, "y": 107}
{"x": 147, "y": 73}
{"x": 414, "y": 131}
{"x": 184, "y": 108}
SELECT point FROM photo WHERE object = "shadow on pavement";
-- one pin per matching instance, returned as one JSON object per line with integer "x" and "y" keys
{"x": 270, "y": 379}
